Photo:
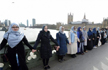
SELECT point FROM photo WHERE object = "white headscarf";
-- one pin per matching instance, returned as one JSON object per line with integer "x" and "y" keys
{"x": 60, "y": 30}
{"x": 98, "y": 29}
{"x": 13, "y": 37}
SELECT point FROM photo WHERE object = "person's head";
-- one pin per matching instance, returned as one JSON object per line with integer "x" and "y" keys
{"x": 90, "y": 29}
{"x": 61, "y": 29}
{"x": 84, "y": 28}
{"x": 45, "y": 28}
{"x": 73, "y": 28}
{"x": 79, "y": 29}
{"x": 15, "y": 28}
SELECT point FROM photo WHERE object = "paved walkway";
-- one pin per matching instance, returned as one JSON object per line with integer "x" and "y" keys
{"x": 96, "y": 59}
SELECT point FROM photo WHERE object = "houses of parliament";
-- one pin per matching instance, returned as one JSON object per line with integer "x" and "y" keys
{"x": 82, "y": 23}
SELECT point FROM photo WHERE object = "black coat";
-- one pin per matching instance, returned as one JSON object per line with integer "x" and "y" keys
{"x": 90, "y": 43}
{"x": 45, "y": 49}
{"x": 19, "y": 49}
{"x": 97, "y": 40}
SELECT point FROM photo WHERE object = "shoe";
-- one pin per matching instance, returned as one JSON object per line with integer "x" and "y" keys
{"x": 86, "y": 51}
{"x": 72, "y": 56}
{"x": 48, "y": 67}
{"x": 45, "y": 68}
{"x": 60, "y": 60}
{"x": 95, "y": 47}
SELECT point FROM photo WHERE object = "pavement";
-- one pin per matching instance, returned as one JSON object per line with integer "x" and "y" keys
{"x": 96, "y": 59}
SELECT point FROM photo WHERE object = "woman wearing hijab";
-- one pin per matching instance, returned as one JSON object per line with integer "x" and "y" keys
{"x": 85, "y": 35}
{"x": 98, "y": 36}
{"x": 15, "y": 40}
{"x": 94, "y": 37}
{"x": 72, "y": 49}
{"x": 90, "y": 40}
{"x": 45, "y": 50}
{"x": 80, "y": 41}
{"x": 102, "y": 36}
{"x": 62, "y": 41}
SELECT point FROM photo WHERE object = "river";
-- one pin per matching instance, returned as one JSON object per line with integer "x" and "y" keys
{"x": 32, "y": 33}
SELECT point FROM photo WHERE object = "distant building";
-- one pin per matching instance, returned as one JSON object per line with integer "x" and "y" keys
{"x": 27, "y": 23}
{"x": 21, "y": 25}
{"x": 7, "y": 22}
{"x": 33, "y": 21}
{"x": 82, "y": 23}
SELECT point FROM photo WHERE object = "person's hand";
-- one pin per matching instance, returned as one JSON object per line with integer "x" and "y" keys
{"x": 57, "y": 48}
{"x": 97, "y": 37}
{"x": 79, "y": 41}
{"x": 93, "y": 38}
{"x": 89, "y": 39}
{"x": 70, "y": 43}
{"x": 33, "y": 50}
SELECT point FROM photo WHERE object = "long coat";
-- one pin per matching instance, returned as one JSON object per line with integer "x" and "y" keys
{"x": 62, "y": 41}
{"x": 97, "y": 40}
{"x": 45, "y": 49}
{"x": 85, "y": 35}
{"x": 90, "y": 42}
{"x": 72, "y": 49}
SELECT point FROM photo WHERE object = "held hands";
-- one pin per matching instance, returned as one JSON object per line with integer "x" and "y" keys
{"x": 57, "y": 48}
{"x": 89, "y": 39}
{"x": 33, "y": 50}
{"x": 70, "y": 43}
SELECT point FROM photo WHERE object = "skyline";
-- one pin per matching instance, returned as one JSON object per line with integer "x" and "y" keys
{"x": 52, "y": 11}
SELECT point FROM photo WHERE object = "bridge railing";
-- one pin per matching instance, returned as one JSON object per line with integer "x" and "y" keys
{"x": 30, "y": 63}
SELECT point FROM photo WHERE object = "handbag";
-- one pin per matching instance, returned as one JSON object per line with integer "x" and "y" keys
{"x": 5, "y": 55}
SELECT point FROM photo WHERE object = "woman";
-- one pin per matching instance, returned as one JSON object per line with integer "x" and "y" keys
{"x": 45, "y": 50}
{"x": 85, "y": 35}
{"x": 15, "y": 40}
{"x": 80, "y": 41}
{"x": 72, "y": 49}
{"x": 98, "y": 36}
{"x": 90, "y": 40}
{"x": 94, "y": 37}
{"x": 102, "y": 36}
{"x": 62, "y": 41}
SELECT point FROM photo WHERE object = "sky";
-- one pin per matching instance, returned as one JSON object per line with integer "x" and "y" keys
{"x": 52, "y": 11}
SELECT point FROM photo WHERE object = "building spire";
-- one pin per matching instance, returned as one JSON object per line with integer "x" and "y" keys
{"x": 84, "y": 16}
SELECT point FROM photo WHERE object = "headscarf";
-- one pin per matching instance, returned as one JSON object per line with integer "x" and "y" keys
{"x": 43, "y": 28}
{"x": 98, "y": 29}
{"x": 94, "y": 30}
{"x": 83, "y": 29}
{"x": 13, "y": 37}
{"x": 79, "y": 32}
{"x": 72, "y": 29}
{"x": 60, "y": 30}
{"x": 90, "y": 32}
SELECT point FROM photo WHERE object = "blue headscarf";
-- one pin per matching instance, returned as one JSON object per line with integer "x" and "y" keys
{"x": 79, "y": 32}
{"x": 60, "y": 30}
{"x": 72, "y": 29}
{"x": 90, "y": 32}
{"x": 13, "y": 37}
{"x": 43, "y": 28}
{"x": 94, "y": 30}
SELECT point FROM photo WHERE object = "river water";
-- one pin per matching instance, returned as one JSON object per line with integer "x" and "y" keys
{"x": 32, "y": 33}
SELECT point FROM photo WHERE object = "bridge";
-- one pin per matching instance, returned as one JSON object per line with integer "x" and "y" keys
{"x": 96, "y": 59}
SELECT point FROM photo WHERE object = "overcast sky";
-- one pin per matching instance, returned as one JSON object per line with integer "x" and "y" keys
{"x": 52, "y": 11}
